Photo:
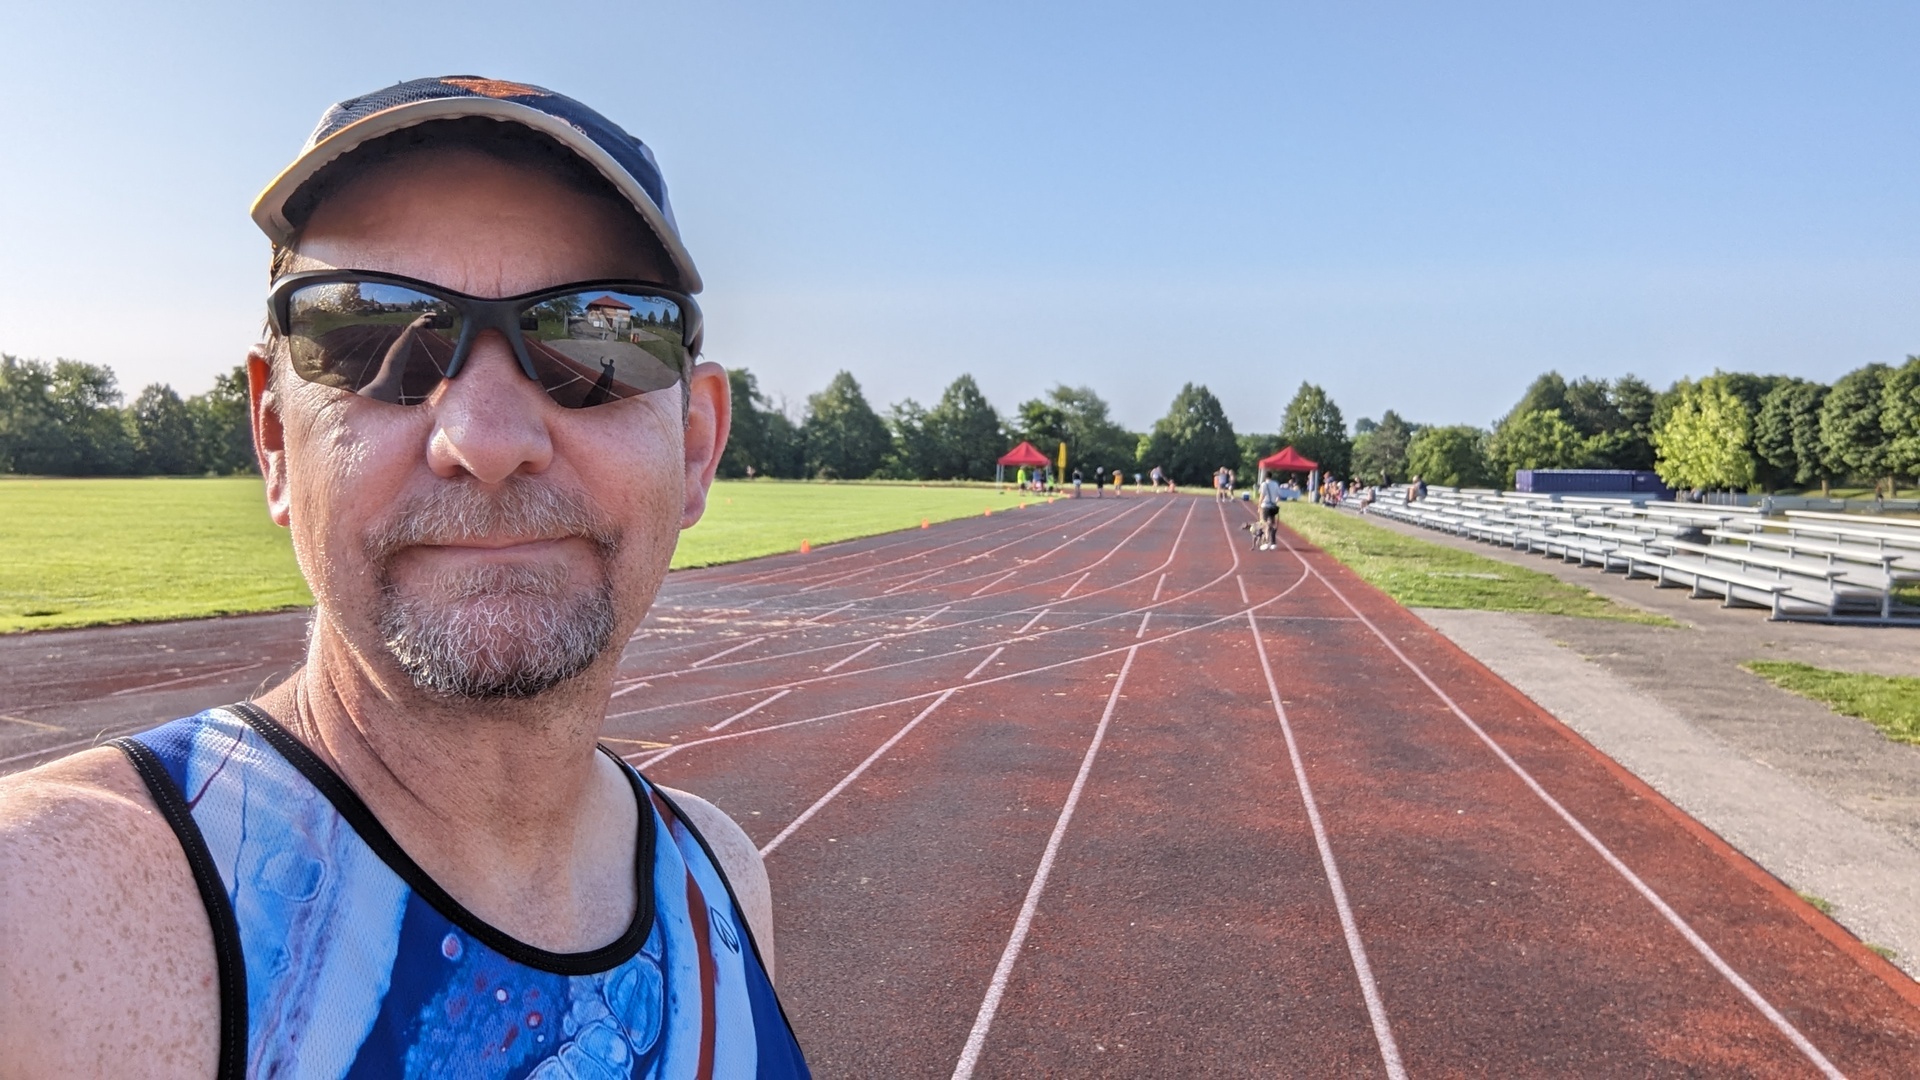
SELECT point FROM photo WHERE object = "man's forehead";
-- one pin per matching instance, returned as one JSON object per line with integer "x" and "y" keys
{"x": 501, "y": 226}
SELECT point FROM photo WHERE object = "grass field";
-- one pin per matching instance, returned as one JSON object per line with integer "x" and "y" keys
{"x": 1890, "y": 703}
{"x": 85, "y": 552}
{"x": 1419, "y": 573}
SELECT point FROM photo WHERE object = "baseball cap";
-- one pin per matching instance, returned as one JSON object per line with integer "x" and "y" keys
{"x": 623, "y": 160}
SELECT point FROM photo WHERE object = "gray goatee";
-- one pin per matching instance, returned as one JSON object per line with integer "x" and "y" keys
{"x": 493, "y": 633}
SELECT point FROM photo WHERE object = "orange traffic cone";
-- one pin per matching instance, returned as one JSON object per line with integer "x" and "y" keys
{"x": 805, "y": 547}
{"x": 923, "y": 523}
{"x": 988, "y": 512}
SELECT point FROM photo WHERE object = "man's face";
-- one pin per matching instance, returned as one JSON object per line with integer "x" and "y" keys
{"x": 488, "y": 543}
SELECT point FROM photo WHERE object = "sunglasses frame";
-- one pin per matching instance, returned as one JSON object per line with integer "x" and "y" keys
{"x": 479, "y": 314}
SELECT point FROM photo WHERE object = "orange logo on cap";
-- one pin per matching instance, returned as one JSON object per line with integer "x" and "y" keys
{"x": 496, "y": 88}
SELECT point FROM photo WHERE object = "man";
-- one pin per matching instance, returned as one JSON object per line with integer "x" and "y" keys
{"x": 411, "y": 858}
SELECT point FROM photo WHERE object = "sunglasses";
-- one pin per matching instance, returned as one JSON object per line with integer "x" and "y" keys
{"x": 394, "y": 339}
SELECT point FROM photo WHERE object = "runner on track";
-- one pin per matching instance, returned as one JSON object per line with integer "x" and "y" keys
{"x": 411, "y": 857}
{"x": 1076, "y": 483}
{"x": 1100, "y": 482}
{"x": 1270, "y": 496}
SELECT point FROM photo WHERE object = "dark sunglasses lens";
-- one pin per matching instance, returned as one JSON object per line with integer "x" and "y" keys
{"x": 385, "y": 342}
{"x": 597, "y": 346}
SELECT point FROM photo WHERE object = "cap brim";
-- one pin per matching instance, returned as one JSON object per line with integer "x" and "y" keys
{"x": 269, "y": 209}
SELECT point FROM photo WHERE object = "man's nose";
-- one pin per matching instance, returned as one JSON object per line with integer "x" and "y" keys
{"x": 490, "y": 421}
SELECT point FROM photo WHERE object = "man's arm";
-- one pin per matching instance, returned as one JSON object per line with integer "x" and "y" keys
{"x": 746, "y": 871}
{"x": 106, "y": 955}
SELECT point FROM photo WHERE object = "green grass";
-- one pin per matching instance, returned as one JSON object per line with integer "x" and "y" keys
{"x": 87, "y": 552}
{"x": 1819, "y": 904}
{"x": 1888, "y": 702}
{"x": 1419, "y": 573}
{"x": 79, "y": 552}
{"x": 747, "y": 519}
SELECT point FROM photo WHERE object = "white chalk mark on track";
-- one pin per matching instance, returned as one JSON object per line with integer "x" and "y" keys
{"x": 1369, "y": 989}
{"x": 1142, "y": 632}
{"x": 851, "y": 658}
{"x": 1076, "y": 584}
{"x": 997, "y": 988}
{"x": 826, "y": 614}
{"x": 1037, "y": 616}
{"x": 1158, "y": 585}
{"x": 981, "y": 666}
{"x": 751, "y": 709}
{"x": 1243, "y": 588}
{"x": 992, "y": 583}
{"x": 930, "y": 616}
{"x": 807, "y": 814}
{"x": 187, "y": 679}
{"x": 726, "y": 652}
{"x": 1706, "y": 951}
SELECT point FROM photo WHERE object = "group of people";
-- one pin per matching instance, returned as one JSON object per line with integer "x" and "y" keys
{"x": 1101, "y": 477}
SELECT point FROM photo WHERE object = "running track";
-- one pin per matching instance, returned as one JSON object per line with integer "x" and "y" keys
{"x": 1092, "y": 788}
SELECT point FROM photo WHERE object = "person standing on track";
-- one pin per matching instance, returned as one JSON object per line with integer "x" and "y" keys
{"x": 1270, "y": 496}
{"x": 1076, "y": 483}
{"x": 1100, "y": 482}
{"x": 414, "y": 856}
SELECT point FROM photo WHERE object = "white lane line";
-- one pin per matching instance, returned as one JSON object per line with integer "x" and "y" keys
{"x": 726, "y": 652}
{"x": 1157, "y": 586}
{"x": 1037, "y": 617}
{"x": 187, "y": 679}
{"x": 625, "y": 690}
{"x": 1058, "y": 630}
{"x": 1142, "y": 632}
{"x": 994, "y": 582}
{"x": 1766, "y": 1009}
{"x": 807, "y": 814}
{"x": 925, "y": 618}
{"x": 1369, "y": 989}
{"x": 997, "y": 988}
{"x": 850, "y": 658}
{"x": 827, "y": 614}
{"x": 1243, "y": 588}
{"x": 1076, "y": 584}
{"x": 650, "y": 760}
{"x": 751, "y": 709}
{"x": 31, "y": 723}
{"x": 991, "y": 657}
{"x": 911, "y": 629}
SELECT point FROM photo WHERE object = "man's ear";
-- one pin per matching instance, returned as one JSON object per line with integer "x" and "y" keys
{"x": 269, "y": 435}
{"x": 709, "y": 419}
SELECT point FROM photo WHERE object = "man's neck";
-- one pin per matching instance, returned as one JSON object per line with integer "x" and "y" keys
{"x": 507, "y": 805}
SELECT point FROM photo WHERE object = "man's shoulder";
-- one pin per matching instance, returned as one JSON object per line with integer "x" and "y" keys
{"x": 71, "y": 830}
{"x": 99, "y": 916}
{"x": 739, "y": 860}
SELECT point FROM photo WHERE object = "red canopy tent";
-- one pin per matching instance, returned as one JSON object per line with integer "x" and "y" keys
{"x": 1024, "y": 454}
{"x": 1288, "y": 460}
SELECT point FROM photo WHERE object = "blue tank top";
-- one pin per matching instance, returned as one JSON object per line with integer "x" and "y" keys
{"x": 339, "y": 957}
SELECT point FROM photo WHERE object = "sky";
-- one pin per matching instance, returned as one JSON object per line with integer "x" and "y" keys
{"x": 1417, "y": 206}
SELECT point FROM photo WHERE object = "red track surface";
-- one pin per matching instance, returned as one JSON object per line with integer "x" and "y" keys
{"x": 1032, "y": 806}
{"x": 1094, "y": 789}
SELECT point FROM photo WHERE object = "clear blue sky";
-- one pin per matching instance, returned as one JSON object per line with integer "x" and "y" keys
{"x": 1420, "y": 206}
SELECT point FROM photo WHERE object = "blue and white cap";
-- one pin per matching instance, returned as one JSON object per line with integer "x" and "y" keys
{"x": 624, "y": 160}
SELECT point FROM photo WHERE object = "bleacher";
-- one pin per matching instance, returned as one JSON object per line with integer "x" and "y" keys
{"x": 1804, "y": 565}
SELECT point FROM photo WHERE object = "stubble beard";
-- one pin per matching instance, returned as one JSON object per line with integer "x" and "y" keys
{"x": 494, "y": 633}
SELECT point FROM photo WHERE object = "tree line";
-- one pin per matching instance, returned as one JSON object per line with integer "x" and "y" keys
{"x": 1727, "y": 431}
{"x": 839, "y": 435}
{"x": 70, "y": 419}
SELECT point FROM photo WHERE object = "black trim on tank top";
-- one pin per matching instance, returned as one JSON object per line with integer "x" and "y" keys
{"x": 362, "y": 820}
{"x": 229, "y": 964}
{"x": 720, "y": 871}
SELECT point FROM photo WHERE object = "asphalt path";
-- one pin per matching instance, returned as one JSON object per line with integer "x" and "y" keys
{"x": 1093, "y": 788}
